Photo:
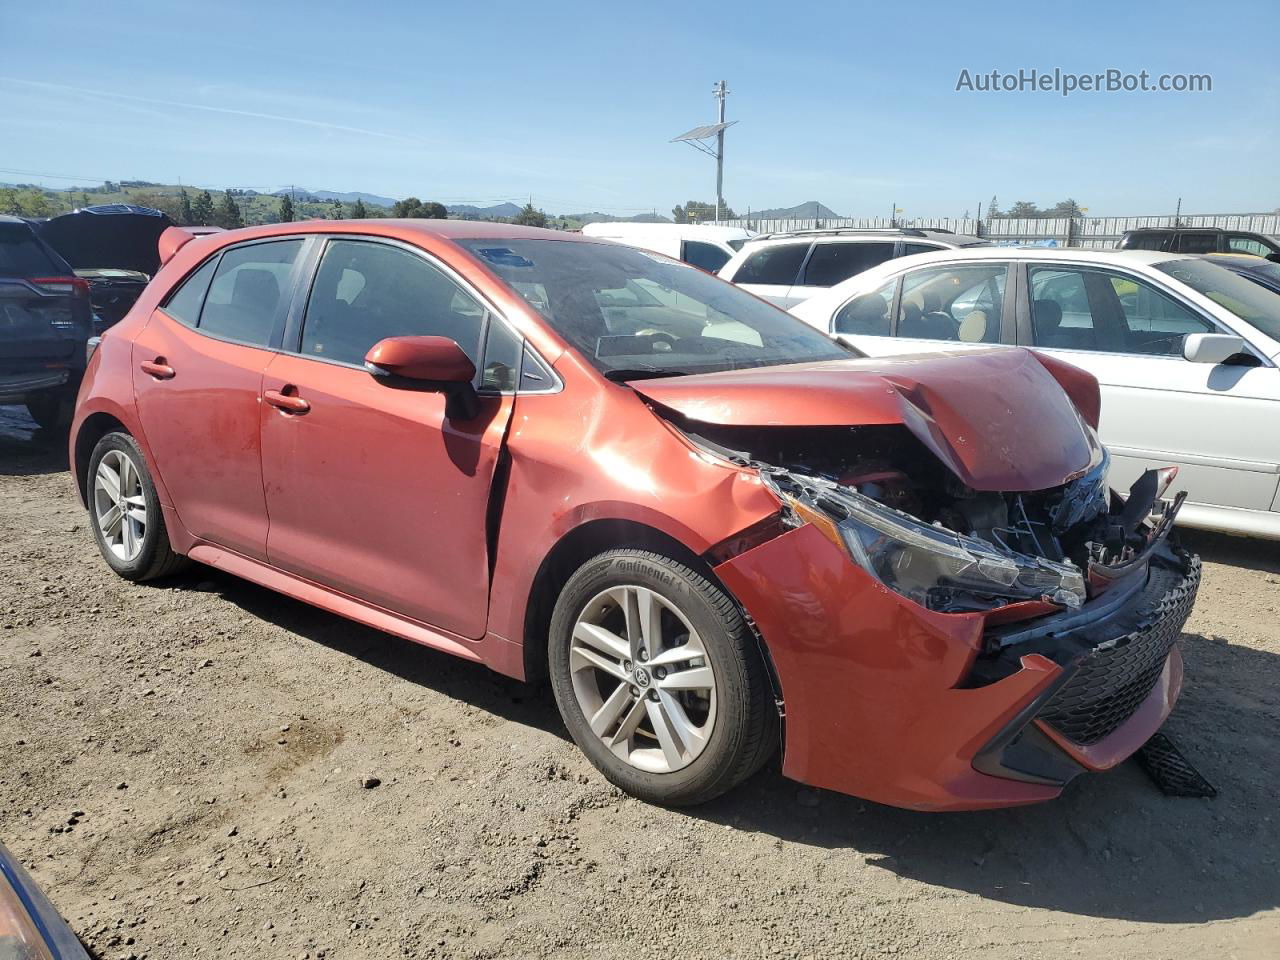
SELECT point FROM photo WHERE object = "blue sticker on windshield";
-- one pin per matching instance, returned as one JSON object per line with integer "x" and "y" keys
{"x": 504, "y": 257}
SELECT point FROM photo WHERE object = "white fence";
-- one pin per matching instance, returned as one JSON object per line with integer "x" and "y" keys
{"x": 1097, "y": 232}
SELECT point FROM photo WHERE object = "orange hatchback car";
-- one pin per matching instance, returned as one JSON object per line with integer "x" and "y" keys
{"x": 712, "y": 527}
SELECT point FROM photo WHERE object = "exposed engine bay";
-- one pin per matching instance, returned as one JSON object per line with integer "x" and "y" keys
{"x": 909, "y": 520}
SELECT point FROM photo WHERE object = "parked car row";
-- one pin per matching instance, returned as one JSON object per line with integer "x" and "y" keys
{"x": 1185, "y": 346}
{"x": 1185, "y": 351}
{"x": 715, "y": 528}
{"x": 62, "y": 281}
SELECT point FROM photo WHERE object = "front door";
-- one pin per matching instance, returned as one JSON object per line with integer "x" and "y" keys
{"x": 371, "y": 489}
{"x": 1215, "y": 422}
{"x": 197, "y": 378}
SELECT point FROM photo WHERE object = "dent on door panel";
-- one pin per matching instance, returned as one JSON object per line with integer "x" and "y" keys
{"x": 375, "y": 493}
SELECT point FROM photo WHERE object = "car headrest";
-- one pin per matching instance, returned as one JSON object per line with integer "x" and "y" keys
{"x": 865, "y": 314}
{"x": 1047, "y": 315}
{"x": 256, "y": 288}
{"x": 926, "y": 301}
{"x": 973, "y": 328}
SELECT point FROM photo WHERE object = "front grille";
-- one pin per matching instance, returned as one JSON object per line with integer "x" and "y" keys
{"x": 1110, "y": 681}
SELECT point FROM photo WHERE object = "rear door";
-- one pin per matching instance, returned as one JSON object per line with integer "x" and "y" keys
{"x": 1215, "y": 422}
{"x": 372, "y": 490}
{"x": 197, "y": 379}
{"x": 770, "y": 271}
{"x": 957, "y": 306}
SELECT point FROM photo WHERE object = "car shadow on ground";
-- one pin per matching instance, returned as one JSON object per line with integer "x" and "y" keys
{"x": 1111, "y": 846}
{"x": 441, "y": 672}
{"x": 1245, "y": 552}
{"x": 27, "y": 449}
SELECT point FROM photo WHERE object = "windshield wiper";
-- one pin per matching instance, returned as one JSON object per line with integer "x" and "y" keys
{"x": 619, "y": 374}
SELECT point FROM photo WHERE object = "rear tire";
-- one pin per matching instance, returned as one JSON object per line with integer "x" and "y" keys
{"x": 659, "y": 679}
{"x": 52, "y": 411}
{"x": 125, "y": 514}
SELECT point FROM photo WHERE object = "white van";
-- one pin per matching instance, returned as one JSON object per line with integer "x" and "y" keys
{"x": 702, "y": 245}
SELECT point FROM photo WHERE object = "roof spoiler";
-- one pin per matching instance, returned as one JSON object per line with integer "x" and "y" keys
{"x": 175, "y": 238}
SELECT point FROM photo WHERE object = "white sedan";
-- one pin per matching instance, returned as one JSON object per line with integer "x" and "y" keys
{"x": 1186, "y": 354}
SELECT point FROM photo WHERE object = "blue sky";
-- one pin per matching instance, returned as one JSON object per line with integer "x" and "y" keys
{"x": 573, "y": 103}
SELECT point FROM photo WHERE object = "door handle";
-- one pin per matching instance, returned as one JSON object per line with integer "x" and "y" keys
{"x": 285, "y": 402}
{"x": 158, "y": 368}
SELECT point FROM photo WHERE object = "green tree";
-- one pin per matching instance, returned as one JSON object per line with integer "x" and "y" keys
{"x": 9, "y": 203}
{"x": 185, "y": 213}
{"x": 1024, "y": 209}
{"x": 202, "y": 210}
{"x": 529, "y": 216}
{"x": 434, "y": 211}
{"x": 993, "y": 209}
{"x": 36, "y": 204}
{"x": 337, "y": 209}
{"x": 697, "y": 211}
{"x": 286, "y": 209}
{"x": 227, "y": 215}
{"x": 358, "y": 210}
{"x": 408, "y": 207}
{"x": 1064, "y": 208}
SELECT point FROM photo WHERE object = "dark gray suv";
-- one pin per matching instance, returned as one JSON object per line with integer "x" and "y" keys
{"x": 45, "y": 321}
{"x": 1199, "y": 240}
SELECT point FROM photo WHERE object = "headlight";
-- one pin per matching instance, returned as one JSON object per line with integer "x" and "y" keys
{"x": 19, "y": 936}
{"x": 936, "y": 567}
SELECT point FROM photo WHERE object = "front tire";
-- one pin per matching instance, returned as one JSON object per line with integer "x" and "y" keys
{"x": 659, "y": 679}
{"x": 125, "y": 513}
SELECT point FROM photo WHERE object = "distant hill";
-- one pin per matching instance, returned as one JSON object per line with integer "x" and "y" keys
{"x": 483, "y": 213}
{"x": 331, "y": 195}
{"x": 809, "y": 210}
{"x": 609, "y": 218}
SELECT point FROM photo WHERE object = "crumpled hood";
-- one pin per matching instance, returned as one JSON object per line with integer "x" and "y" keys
{"x": 997, "y": 418}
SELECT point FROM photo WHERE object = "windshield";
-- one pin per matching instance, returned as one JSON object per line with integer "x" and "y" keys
{"x": 1253, "y": 304}
{"x": 635, "y": 314}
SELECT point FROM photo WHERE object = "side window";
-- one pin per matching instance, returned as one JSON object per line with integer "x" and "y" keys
{"x": 775, "y": 265}
{"x": 1061, "y": 314}
{"x": 868, "y": 313}
{"x": 1197, "y": 242}
{"x": 365, "y": 292}
{"x": 502, "y": 350}
{"x": 1147, "y": 241}
{"x": 185, "y": 302}
{"x": 1154, "y": 323}
{"x": 953, "y": 303}
{"x": 705, "y": 255}
{"x": 249, "y": 291}
{"x": 836, "y": 261}
{"x": 1238, "y": 244}
{"x": 909, "y": 248}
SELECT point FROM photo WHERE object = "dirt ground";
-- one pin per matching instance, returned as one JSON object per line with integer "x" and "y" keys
{"x": 181, "y": 765}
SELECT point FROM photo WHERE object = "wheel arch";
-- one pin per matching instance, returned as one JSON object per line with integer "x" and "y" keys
{"x": 570, "y": 552}
{"x": 92, "y": 429}
{"x": 594, "y": 537}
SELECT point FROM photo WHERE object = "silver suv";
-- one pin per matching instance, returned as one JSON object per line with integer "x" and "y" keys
{"x": 787, "y": 268}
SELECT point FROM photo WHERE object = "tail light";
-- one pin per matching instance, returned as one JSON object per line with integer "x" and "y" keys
{"x": 74, "y": 286}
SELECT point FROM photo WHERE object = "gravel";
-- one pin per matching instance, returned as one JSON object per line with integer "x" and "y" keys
{"x": 489, "y": 835}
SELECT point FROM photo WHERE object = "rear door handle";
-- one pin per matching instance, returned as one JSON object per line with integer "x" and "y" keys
{"x": 285, "y": 402}
{"x": 158, "y": 368}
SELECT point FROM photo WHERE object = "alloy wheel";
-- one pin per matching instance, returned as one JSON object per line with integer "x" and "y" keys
{"x": 119, "y": 505}
{"x": 643, "y": 679}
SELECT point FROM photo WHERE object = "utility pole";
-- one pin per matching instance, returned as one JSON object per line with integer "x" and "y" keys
{"x": 699, "y": 136}
{"x": 720, "y": 91}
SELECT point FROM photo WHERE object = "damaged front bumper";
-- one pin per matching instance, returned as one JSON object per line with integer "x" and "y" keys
{"x": 889, "y": 700}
